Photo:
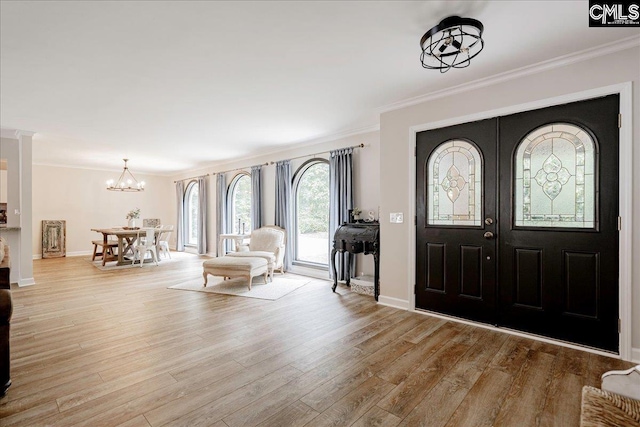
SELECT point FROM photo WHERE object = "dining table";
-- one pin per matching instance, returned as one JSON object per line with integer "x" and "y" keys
{"x": 126, "y": 238}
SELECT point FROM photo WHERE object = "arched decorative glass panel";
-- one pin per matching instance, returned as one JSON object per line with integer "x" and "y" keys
{"x": 454, "y": 185}
{"x": 555, "y": 182}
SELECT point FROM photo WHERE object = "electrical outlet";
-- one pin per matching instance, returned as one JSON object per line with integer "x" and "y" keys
{"x": 396, "y": 218}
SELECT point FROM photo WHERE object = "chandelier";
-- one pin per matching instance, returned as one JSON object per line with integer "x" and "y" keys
{"x": 451, "y": 44}
{"x": 126, "y": 182}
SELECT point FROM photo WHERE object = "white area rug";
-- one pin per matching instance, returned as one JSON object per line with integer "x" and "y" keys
{"x": 280, "y": 287}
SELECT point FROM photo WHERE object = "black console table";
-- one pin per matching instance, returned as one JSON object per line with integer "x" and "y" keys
{"x": 356, "y": 238}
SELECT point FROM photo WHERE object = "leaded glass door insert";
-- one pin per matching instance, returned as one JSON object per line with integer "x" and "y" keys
{"x": 555, "y": 180}
{"x": 538, "y": 252}
{"x": 454, "y": 185}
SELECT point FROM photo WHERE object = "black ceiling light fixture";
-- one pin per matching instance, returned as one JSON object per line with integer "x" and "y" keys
{"x": 451, "y": 44}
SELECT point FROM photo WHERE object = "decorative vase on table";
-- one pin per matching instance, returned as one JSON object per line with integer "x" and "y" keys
{"x": 132, "y": 223}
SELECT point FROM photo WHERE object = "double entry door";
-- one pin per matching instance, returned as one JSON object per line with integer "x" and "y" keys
{"x": 517, "y": 221}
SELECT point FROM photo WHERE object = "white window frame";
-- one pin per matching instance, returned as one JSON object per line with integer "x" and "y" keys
{"x": 231, "y": 198}
{"x": 294, "y": 196}
{"x": 187, "y": 204}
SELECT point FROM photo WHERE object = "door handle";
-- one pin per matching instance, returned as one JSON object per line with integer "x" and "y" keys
{"x": 488, "y": 235}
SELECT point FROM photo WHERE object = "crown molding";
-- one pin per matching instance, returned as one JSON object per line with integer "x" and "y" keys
{"x": 293, "y": 146}
{"x": 339, "y": 135}
{"x": 561, "y": 61}
{"x": 14, "y": 133}
{"x": 96, "y": 169}
{"x": 9, "y": 133}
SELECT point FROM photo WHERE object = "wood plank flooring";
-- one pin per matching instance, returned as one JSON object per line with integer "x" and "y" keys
{"x": 117, "y": 348}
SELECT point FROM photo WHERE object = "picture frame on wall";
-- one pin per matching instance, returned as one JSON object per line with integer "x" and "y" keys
{"x": 54, "y": 233}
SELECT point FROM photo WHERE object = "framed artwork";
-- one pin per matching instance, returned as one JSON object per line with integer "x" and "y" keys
{"x": 54, "y": 235}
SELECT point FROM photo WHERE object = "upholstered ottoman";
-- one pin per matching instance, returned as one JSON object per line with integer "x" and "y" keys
{"x": 268, "y": 256}
{"x": 235, "y": 267}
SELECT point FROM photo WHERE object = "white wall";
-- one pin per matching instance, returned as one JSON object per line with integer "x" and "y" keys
{"x": 396, "y": 151}
{"x": 366, "y": 180}
{"x": 80, "y": 197}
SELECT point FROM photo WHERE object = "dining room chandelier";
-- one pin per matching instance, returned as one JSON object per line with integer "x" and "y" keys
{"x": 451, "y": 44}
{"x": 126, "y": 182}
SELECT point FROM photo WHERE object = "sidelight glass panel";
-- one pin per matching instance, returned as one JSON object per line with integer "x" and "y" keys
{"x": 555, "y": 182}
{"x": 454, "y": 185}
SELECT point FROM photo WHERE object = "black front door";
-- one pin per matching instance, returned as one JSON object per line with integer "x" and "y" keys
{"x": 529, "y": 241}
{"x": 456, "y": 264}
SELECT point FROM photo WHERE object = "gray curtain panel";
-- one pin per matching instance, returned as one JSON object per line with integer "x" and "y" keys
{"x": 221, "y": 207}
{"x": 180, "y": 221}
{"x": 256, "y": 197}
{"x": 340, "y": 202}
{"x": 202, "y": 215}
{"x": 283, "y": 207}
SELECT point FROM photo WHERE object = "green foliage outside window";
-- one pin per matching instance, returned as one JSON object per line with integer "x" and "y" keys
{"x": 193, "y": 201}
{"x": 313, "y": 200}
{"x": 242, "y": 203}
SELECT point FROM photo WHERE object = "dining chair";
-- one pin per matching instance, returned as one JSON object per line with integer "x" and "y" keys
{"x": 162, "y": 244}
{"x": 145, "y": 242}
{"x": 150, "y": 222}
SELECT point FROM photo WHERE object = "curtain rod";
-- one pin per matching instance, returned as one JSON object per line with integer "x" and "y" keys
{"x": 192, "y": 177}
{"x": 292, "y": 158}
{"x": 322, "y": 152}
{"x": 238, "y": 169}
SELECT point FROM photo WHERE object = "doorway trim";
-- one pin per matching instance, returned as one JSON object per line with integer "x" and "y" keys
{"x": 625, "y": 203}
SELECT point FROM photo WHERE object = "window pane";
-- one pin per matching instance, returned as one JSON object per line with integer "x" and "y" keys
{"x": 555, "y": 178}
{"x": 241, "y": 204}
{"x": 312, "y": 215}
{"x": 191, "y": 217}
{"x": 454, "y": 185}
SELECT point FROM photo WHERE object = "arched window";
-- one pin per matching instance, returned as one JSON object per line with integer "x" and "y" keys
{"x": 239, "y": 203}
{"x": 191, "y": 204}
{"x": 454, "y": 184}
{"x": 311, "y": 214}
{"x": 555, "y": 180}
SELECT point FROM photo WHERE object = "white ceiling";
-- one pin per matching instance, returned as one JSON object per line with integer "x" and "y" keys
{"x": 181, "y": 85}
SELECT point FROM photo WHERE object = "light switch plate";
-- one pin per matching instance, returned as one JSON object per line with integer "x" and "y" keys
{"x": 396, "y": 217}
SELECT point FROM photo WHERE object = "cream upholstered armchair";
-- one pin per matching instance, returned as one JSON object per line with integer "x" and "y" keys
{"x": 266, "y": 242}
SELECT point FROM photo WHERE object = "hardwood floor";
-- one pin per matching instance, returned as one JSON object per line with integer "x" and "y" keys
{"x": 117, "y": 348}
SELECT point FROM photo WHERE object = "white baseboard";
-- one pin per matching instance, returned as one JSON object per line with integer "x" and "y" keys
{"x": 393, "y": 302}
{"x": 27, "y": 282}
{"x": 68, "y": 254}
{"x": 310, "y": 272}
{"x": 80, "y": 253}
{"x": 635, "y": 355}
